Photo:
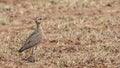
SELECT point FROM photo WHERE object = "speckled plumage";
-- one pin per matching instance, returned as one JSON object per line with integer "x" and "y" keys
{"x": 34, "y": 39}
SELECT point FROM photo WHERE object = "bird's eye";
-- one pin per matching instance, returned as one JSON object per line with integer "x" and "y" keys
{"x": 39, "y": 19}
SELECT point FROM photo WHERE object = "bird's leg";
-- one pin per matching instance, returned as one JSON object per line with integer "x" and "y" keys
{"x": 31, "y": 58}
{"x": 35, "y": 56}
{"x": 31, "y": 52}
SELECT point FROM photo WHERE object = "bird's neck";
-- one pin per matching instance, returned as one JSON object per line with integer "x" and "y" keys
{"x": 38, "y": 26}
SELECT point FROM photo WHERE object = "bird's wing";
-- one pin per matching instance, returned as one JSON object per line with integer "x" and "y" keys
{"x": 32, "y": 40}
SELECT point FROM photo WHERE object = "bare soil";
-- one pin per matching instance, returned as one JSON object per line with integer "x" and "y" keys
{"x": 76, "y": 33}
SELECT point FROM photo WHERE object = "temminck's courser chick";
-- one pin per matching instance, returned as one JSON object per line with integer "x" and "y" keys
{"x": 35, "y": 38}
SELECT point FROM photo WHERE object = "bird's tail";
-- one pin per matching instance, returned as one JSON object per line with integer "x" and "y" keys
{"x": 21, "y": 49}
{"x": 24, "y": 48}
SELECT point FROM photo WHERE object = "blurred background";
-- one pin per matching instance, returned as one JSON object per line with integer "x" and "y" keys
{"x": 77, "y": 33}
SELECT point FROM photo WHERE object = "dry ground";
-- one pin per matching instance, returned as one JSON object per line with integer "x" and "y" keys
{"x": 77, "y": 33}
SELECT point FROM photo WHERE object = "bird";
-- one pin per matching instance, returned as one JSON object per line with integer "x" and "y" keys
{"x": 34, "y": 38}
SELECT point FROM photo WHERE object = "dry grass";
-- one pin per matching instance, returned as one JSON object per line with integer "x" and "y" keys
{"x": 78, "y": 34}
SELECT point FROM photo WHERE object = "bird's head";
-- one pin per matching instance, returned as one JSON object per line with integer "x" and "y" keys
{"x": 38, "y": 20}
